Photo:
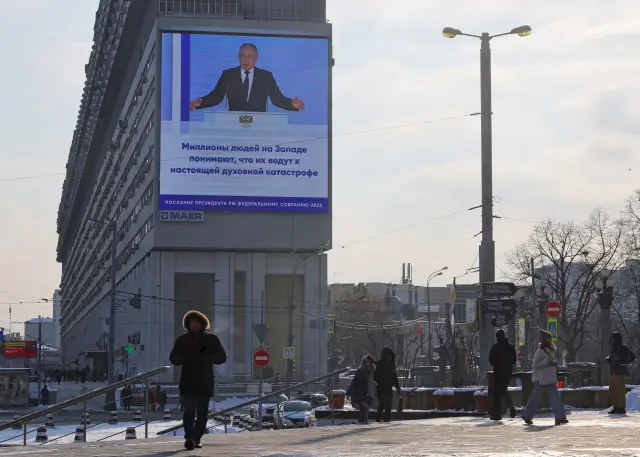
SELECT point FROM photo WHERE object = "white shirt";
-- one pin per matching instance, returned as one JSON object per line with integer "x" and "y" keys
{"x": 244, "y": 75}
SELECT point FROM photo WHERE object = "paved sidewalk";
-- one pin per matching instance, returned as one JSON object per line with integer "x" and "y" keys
{"x": 587, "y": 434}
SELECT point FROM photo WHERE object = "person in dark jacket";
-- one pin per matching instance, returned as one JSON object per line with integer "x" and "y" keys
{"x": 502, "y": 358}
{"x": 196, "y": 352}
{"x": 44, "y": 395}
{"x": 362, "y": 388}
{"x": 619, "y": 358}
{"x": 386, "y": 379}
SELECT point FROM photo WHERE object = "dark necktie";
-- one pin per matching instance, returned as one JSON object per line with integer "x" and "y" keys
{"x": 245, "y": 85}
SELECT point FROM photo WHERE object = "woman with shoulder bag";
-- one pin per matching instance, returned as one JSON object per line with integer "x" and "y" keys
{"x": 362, "y": 388}
{"x": 545, "y": 379}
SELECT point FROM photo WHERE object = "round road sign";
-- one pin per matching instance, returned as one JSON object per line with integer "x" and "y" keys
{"x": 553, "y": 309}
{"x": 261, "y": 358}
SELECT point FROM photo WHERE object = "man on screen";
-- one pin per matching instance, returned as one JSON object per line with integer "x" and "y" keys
{"x": 247, "y": 87}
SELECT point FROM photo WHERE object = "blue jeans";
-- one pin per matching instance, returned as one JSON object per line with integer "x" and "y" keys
{"x": 195, "y": 416}
{"x": 554, "y": 399}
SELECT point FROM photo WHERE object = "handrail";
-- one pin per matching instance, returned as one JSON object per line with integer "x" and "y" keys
{"x": 267, "y": 395}
{"x": 84, "y": 397}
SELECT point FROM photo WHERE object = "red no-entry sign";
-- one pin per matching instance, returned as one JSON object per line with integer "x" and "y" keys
{"x": 553, "y": 309}
{"x": 261, "y": 358}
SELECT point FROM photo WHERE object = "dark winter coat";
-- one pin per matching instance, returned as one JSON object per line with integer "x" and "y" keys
{"x": 385, "y": 375}
{"x": 502, "y": 358}
{"x": 359, "y": 389}
{"x": 619, "y": 358}
{"x": 196, "y": 353}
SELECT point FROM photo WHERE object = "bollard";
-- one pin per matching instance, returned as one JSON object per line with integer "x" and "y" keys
{"x": 131, "y": 434}
{"x": 85, "y": 419}
{"x": 166, "y": 416}
{"x": 114, "y": 418}
{"x": 49, "y": 422}
{"x": 79, "y": 435}
{"x": 137, "y": 416}
{"x": 17, "y": 426}
{"x": 41, "y": 435}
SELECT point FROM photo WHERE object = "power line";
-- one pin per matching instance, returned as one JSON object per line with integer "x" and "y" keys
{"x": 339, "y": 135}
{"x": 417, "y": 224}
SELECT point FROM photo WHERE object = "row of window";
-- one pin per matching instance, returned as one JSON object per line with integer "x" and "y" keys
{"x": 90, "y": 230}
{"x": 128, "y": 250}
{"x": 100, "y": 183}
{"x": 113, "y": 24}
{"x": 105, "y": 238}
{"x": 288, "y": 10}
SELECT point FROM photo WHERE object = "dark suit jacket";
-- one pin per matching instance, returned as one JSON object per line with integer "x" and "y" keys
{"x": 264, "y": 87}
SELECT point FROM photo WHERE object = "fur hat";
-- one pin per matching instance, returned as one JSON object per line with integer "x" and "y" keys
{"x": 544, "y": 334}
{"x": 198, "y": 315}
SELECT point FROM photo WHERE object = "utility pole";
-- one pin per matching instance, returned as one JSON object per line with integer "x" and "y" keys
{"x": 39, "y": 360}
{"x": 110, "y": 397}
{"x": 487, "y": 245}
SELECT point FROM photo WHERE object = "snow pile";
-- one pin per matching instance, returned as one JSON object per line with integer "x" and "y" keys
{"x": 444, "y": 392}
{"x": 481, "y": 393}
{"x": 633, "y": 401}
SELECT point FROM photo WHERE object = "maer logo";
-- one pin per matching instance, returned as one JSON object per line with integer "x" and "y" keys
{"x": 182, "y": 216}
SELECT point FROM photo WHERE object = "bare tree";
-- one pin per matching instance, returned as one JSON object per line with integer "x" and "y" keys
{"x": 569, "y": 257}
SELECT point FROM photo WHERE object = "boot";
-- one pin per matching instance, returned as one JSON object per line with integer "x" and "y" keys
{"x": 512, "y": 413}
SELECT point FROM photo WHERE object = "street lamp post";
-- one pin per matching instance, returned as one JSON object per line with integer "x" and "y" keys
{"x": 317, "y": 250}
{"x": 487, "y": 245}
{"x": 604, "y": 286}
{"x": 542, "y": 298}
{"x": 435, "y": 274}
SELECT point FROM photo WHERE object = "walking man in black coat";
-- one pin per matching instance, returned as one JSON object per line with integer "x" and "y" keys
{"x": 196, "y": 352}
{"x": 386, "y": 378}
{"x": 502, "y": 357}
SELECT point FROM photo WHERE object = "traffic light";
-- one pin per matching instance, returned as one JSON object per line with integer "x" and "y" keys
{"x": 419, "y": 329}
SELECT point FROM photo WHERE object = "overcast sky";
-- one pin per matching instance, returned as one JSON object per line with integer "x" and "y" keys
{"x": 566, "y": 103}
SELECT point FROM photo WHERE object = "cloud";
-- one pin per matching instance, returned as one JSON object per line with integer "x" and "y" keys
{"x": 565, "y": 103}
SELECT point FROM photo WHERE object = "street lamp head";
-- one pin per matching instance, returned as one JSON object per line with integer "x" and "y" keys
{"x": 444, "y": 268}
{"x": 523, "y": 30}
{"x": 449, "y": 32}
{"x": 439, "y": 273}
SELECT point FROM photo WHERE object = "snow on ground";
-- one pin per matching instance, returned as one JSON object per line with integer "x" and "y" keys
{"x": 633, "y": 401}
{"x": 101, "y": 432}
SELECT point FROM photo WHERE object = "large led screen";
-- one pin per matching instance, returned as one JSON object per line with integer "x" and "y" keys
{"x": 245, "y": 123}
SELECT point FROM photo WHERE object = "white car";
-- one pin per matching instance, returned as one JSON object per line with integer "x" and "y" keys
{"x": 294, "y": 414}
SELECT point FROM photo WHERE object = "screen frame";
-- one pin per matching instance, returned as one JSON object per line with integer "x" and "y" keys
{"x": 251, "y": 31}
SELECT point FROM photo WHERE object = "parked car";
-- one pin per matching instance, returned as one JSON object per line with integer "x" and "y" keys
{"x": 268, "y": 407}
{"x": 294, "y": 414}
{"x": 315, "y": 399}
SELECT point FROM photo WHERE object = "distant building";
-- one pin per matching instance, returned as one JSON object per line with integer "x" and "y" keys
{"x": 57, "y": 307}
{"x": 48, "y": 332}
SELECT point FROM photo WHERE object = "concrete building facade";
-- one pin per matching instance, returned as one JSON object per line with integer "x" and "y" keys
{"x": 57, "y": 310}
{"x": 41, "y": 327}
{"x": 239, "y": 268}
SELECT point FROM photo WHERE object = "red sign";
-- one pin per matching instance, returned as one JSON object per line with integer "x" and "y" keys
{"x": 553, "y": 309}
{"x": 560, "y": 384}
{"x": 261, "y": 358}
{"x": 20, "y": 350}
